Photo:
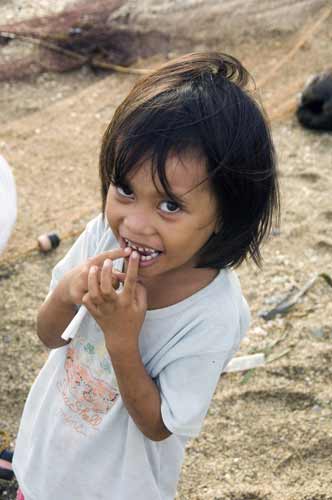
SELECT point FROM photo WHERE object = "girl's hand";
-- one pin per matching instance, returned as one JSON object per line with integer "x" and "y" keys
{"x": 74, "y": 285}
{"x": 120, "y": 314}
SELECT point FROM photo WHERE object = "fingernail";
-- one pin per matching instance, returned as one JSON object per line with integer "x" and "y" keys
{"x": 134, "y": 255}
{"x": 127, "y": 250}
{"x": 108, "y": 263}
{"x": 94, "y": 269}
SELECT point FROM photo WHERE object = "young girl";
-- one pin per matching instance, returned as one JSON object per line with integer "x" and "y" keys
{"x": 144, "y": 312}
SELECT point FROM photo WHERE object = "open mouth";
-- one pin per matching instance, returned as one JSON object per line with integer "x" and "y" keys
{"x": 146, "y": 253}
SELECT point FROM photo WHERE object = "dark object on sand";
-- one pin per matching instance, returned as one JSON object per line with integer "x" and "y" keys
{"x": 48, "y": 242}
{"x": 315, "y": 108}
{"x": 83, "y": 34}
{"x": 292, "y": 297}
{"x": 6, "y": 472}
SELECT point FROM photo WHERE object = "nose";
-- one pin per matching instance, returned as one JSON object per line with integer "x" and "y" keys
{"x": 139, "y": 223}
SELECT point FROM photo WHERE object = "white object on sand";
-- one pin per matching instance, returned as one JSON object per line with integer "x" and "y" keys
{"x": 242, "y": 363}
{"x": 8, "y": 208}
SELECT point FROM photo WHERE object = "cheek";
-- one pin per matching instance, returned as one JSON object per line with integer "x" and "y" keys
{"x": 190, "y": 238}
{"x": 202, "y": 233}
{"x": 112, "y": 213}
{"x": 109, "y": 213}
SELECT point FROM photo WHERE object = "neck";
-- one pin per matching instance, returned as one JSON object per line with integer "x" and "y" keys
{"x": 168, "y": 289}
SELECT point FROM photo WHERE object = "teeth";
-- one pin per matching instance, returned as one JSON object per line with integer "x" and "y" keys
{"x": 153, "y": 253}
{"x": 131, "y": 245}
{"x": 150, "y": 257}
{"x": 146, "y": 257}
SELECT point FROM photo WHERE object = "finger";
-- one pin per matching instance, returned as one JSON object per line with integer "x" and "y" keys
{"x": 118, "y": 275}
{"x": 131, "y": 275}
{"x": 106, "y": 285}
{"x": 99, "y": 276}
{"x": 117, "y": 253}
{"x": 91, "y": 307}
{"x": 93, "y": 286}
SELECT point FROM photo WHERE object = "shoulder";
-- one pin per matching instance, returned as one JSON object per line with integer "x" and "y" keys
{"x": 228, "y": 303}
{"x": 221, "y": 316}
{"x": 87, "y": 243}
{"x": 96, "y": 227}
{"x": 228, "y": 296}
{"x": 223, "y": 297}
{"x": 98, "y": 235}
{"x": 84, "y": 246}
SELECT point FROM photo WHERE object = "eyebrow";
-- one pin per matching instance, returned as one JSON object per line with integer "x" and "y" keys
{"x": 162, "y": 194}
{"x": 178, "y": 198}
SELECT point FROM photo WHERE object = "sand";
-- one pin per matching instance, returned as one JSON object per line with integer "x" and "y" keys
{"x": 268, "y": 433}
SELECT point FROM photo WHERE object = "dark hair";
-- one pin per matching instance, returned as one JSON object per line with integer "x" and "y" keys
{"x": 200, "y": 102}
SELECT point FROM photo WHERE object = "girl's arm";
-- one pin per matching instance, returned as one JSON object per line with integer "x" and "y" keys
{"x": 139, "y": 393}
{"x": 54, "y": 316}
{"x": 120, "y": 316}
{"x": 60, "y": 307}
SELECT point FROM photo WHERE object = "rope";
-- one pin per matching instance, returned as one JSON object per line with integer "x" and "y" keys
{"x": 308, "y": 31}
{"x": 95, "y": 61}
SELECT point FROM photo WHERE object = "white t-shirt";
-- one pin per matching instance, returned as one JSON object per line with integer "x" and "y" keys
{"x": 7, "y": 202}
{"x": 77, "y": 441}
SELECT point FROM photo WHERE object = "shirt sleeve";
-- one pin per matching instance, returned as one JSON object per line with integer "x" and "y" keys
{"x": 83, "y": 248}
{"x": 186, "y": 387}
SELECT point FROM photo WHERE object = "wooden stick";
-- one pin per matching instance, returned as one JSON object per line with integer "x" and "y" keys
{"x": 95, "y": 61}
{"x": 292, "y": 298}
{"x": 280, "y": 355}
{"x": 45, "y": 44}
{"x": 120, "y": 69}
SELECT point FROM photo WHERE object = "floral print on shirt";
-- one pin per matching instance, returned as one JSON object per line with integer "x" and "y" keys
{"x": 89, "y": 388}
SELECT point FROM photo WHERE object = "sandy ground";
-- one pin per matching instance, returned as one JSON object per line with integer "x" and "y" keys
{"x": 268, "y": 434}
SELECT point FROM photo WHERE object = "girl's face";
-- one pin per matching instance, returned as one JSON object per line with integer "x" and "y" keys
{"x": 167, "y": 236}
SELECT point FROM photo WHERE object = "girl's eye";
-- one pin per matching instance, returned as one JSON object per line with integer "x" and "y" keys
{"x": 170, "y": 207}
{"x": 124, "y": 191}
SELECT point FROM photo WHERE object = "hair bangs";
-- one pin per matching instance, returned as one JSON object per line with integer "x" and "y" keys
{"x": 152, "y": 134}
